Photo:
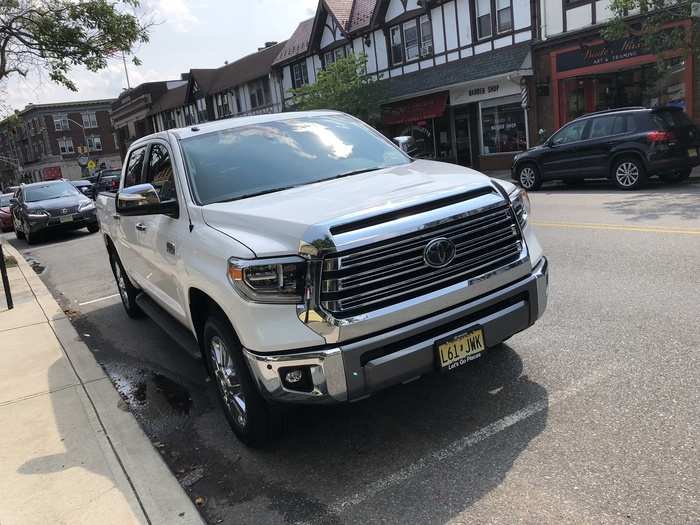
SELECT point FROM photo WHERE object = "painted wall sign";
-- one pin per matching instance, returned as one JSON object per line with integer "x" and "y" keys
{"x": 598, "y": 54}
{"x": 483, "y": 91}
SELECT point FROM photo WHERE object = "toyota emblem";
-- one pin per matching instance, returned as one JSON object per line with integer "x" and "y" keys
{"x": 439, "y": 253}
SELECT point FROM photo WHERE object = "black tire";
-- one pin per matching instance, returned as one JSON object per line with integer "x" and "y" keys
{"x": 628, "y": 173}
{"x": 93, "y": 228}
{"x": 258, "y": 422}
{"x": 684, "y": 174}
{"x": 31, "y": 238}
{"x": 529, "y": 177}
{"x": 127, "y": 291}
{"x": 18, "y": 232}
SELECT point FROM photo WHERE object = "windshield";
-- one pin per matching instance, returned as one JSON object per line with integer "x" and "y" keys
{"x": 272, "y": 156}
{"x": 49, "y": 191}
{"x": 5, "y": 200}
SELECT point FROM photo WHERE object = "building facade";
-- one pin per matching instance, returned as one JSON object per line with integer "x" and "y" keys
{"x": 579, "y": 72}
{"x": 52, "y": 141}
{"x": 458, "y": 72}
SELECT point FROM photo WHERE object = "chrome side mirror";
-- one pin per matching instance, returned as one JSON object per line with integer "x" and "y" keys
{"x": 143, "y": 199}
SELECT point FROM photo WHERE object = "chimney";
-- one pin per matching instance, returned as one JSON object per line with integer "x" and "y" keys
{"x": 268, "y": 44}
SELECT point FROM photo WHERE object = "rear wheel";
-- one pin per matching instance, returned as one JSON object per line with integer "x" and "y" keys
{"x": 529, "y": 177}
{"x": 629, "y": 174}
{"x": 127, "y": 291}
{"x": 252, "y": 419}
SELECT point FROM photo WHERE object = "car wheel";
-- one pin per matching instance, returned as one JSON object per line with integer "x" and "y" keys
{"x": 31, "y": 237}
{"x": 253, "y": 420}
{"x": 629, "y": 174}
{"x": 93, "y": 228}
{"x": 127, "y": 291}
{"x": 684, "y": 174}
{"x": 529, "y": 177}
{"x": 19, "y": 233}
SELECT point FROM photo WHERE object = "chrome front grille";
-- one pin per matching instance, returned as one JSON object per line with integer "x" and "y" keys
{"x": 381, "y": 274}
{"x": 58, "y": 212}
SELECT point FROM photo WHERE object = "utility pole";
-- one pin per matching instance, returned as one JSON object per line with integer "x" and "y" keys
{"x": 126, "y": 71}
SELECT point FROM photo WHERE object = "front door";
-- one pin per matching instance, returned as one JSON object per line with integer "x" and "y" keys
{"x": 161, "y": 236}
{"x": 463, "y": 137}
{"x": 563, "y": 151}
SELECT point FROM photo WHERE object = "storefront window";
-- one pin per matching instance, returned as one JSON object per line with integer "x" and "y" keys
{"x": 503, "y": 128}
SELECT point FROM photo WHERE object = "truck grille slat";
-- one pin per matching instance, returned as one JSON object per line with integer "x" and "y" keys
{"x": 384, "y": 273}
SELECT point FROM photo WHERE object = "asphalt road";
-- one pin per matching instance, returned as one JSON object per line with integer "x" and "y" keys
{"x": 591, "y": 416}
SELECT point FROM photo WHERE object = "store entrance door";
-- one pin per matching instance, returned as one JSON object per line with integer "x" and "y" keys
{"x": 463, "y": 145}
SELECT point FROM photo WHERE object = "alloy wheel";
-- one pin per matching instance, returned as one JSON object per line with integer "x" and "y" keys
{"x": 627, "y": 174}
{"x": 226, "y": 375}
{"x": 121, "y": 284}
{"x": 527, "y": 177}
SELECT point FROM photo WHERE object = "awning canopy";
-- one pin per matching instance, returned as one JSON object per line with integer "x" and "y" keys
{"x": 420, "y": 108}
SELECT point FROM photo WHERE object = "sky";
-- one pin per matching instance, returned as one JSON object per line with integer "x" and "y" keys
{"x": 188, "y": 34}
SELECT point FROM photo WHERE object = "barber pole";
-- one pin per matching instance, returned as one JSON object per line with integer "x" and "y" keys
{"x": 524, "y": 97}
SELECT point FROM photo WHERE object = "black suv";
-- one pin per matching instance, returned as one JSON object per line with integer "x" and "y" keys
{"x": 45, "y": 206}
{"x": 627, "y": 145}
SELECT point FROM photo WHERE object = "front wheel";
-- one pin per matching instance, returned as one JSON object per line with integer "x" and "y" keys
{"x": 529, "y": 177}
{"x": 19, "y": 233}
{"x": 93, "y": 228}
{"x": 252, "y": 419}
{"x": 629, "y": 174}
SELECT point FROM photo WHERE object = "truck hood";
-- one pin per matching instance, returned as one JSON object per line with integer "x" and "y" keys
{"x": 273, "y": 224}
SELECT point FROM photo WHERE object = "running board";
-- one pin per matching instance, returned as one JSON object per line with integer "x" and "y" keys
{"x": 169, "y": 325}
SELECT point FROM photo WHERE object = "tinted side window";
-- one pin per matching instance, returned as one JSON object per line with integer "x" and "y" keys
{"x": 570, "y": 133}
{"x": 134, "y": 167}
{"x": 160, "y": 172}
{"x": 602, "y": 126}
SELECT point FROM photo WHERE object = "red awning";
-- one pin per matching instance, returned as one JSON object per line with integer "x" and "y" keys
{"x": 421, "y": 108}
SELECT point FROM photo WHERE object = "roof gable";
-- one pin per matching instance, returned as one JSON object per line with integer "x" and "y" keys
{"x": 246, "y": 69}
{"x": 298, "y": 43}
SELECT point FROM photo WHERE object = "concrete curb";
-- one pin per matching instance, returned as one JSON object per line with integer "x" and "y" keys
{"x": 160, "y": 495}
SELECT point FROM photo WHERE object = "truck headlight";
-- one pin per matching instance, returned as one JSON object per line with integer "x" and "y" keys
{"x": 278, "y": 281}
{"x": 521, "y": 204}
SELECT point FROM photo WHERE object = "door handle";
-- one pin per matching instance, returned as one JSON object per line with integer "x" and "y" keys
{"x": 141, "y": 227}
{"x": 116, "y": 217}
{"x": 170, "y": 247}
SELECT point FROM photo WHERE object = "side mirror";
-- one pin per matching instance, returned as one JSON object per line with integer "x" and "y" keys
{"x": 143, "y": 199}
{"x": 13, "y": 201}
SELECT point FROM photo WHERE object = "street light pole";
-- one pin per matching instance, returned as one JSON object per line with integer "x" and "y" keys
{"x": 87, "y": 146}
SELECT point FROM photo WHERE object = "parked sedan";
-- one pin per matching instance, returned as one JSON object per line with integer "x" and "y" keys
{"x": 48, "y": 206}
{"x": 5, "y": 215}
{"x": 85, "y": 186}
{"x": 626, "y": 145}
{"x": 107, "y": 180}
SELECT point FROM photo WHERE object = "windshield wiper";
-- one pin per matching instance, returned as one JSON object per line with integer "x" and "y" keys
{"x": 354, "y": 172}
{"x": 256, "y": 194}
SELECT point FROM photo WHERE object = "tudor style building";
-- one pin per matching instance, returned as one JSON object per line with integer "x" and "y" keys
{"x": 458, "y": 71}
{"x": 578, "y": 72}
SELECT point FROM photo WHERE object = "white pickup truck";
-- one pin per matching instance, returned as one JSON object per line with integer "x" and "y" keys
{"x": 308, "y": 259}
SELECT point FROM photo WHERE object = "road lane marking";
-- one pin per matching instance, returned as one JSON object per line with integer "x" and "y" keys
{"x": 99, "y": 300}
{"x": 618, "y": 227}
{"x": 466, "y": 442}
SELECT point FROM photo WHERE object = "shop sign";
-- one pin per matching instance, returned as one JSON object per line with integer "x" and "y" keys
{"x": 483, "y": 91}
{"x": 414, "y": 110}
{"x": 598, "y": 54}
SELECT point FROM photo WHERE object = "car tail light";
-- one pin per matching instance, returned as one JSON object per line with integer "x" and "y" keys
{"x": 661, "y": 136}
{"x": 115, "y": 184}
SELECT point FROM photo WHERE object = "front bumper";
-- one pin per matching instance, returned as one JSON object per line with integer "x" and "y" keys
{"x": 79, "y": 220}
{"x": 355, "y": 369}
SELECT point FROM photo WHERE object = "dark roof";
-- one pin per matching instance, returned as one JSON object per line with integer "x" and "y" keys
{"x": 297, "y": 44}
{"x": 361, "y": 15}
{"x": 171, "y": 99}
{"x": 484, "y": 65}
{"x": 204, "y": 78}
{"x": 246, "y": 69}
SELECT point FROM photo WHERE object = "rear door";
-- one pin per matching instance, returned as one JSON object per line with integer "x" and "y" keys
{"x": 161, "y": 236}
{"x": 130, "y": 253}
{"x": 607, "y": 134}
{"x": 562, "y": 156}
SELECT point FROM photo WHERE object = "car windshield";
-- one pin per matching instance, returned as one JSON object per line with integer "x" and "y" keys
{"x": 46, "y": 192}
{"x": 5, "y": 200}
{"x": 273, "y": 156}
{"x": 110, "y": 173}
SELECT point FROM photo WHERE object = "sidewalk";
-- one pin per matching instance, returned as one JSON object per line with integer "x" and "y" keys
{"x": 68, "y": 452}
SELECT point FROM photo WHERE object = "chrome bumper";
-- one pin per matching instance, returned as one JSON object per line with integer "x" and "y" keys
{"x": 357, "y": 368}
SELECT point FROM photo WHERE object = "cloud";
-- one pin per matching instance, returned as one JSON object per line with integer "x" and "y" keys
{"x": 177, "y": 14}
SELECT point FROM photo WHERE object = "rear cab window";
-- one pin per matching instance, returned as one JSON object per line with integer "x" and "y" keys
{"x": 134, "y": 167}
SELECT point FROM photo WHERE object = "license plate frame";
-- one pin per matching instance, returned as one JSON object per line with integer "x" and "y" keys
{"x": 460, "y": 345}
{"x": 693, "y": 152}
{"x": 65, "y": 218}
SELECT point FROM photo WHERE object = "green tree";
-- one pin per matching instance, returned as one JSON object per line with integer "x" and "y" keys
{"x": 344, "y": 86}
{"x": 661, "y": 25}
{"x": 56, "y": 35}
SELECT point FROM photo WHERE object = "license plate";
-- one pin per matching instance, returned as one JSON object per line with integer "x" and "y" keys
{"x": 693, "y": 152}
{"x": 460, "y": 349}
{"x": 67, "y": 218}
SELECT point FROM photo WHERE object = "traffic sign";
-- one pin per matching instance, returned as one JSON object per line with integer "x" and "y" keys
{"x": 91, "y": 165}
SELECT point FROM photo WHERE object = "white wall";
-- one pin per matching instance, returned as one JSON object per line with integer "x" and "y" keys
{"x": 450, "y": 16}
{"x": 579, "y": 17}
{"x": 521, "y": 14}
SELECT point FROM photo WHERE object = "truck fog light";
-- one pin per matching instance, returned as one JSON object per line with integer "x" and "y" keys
{"x": 297, "y": 378}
